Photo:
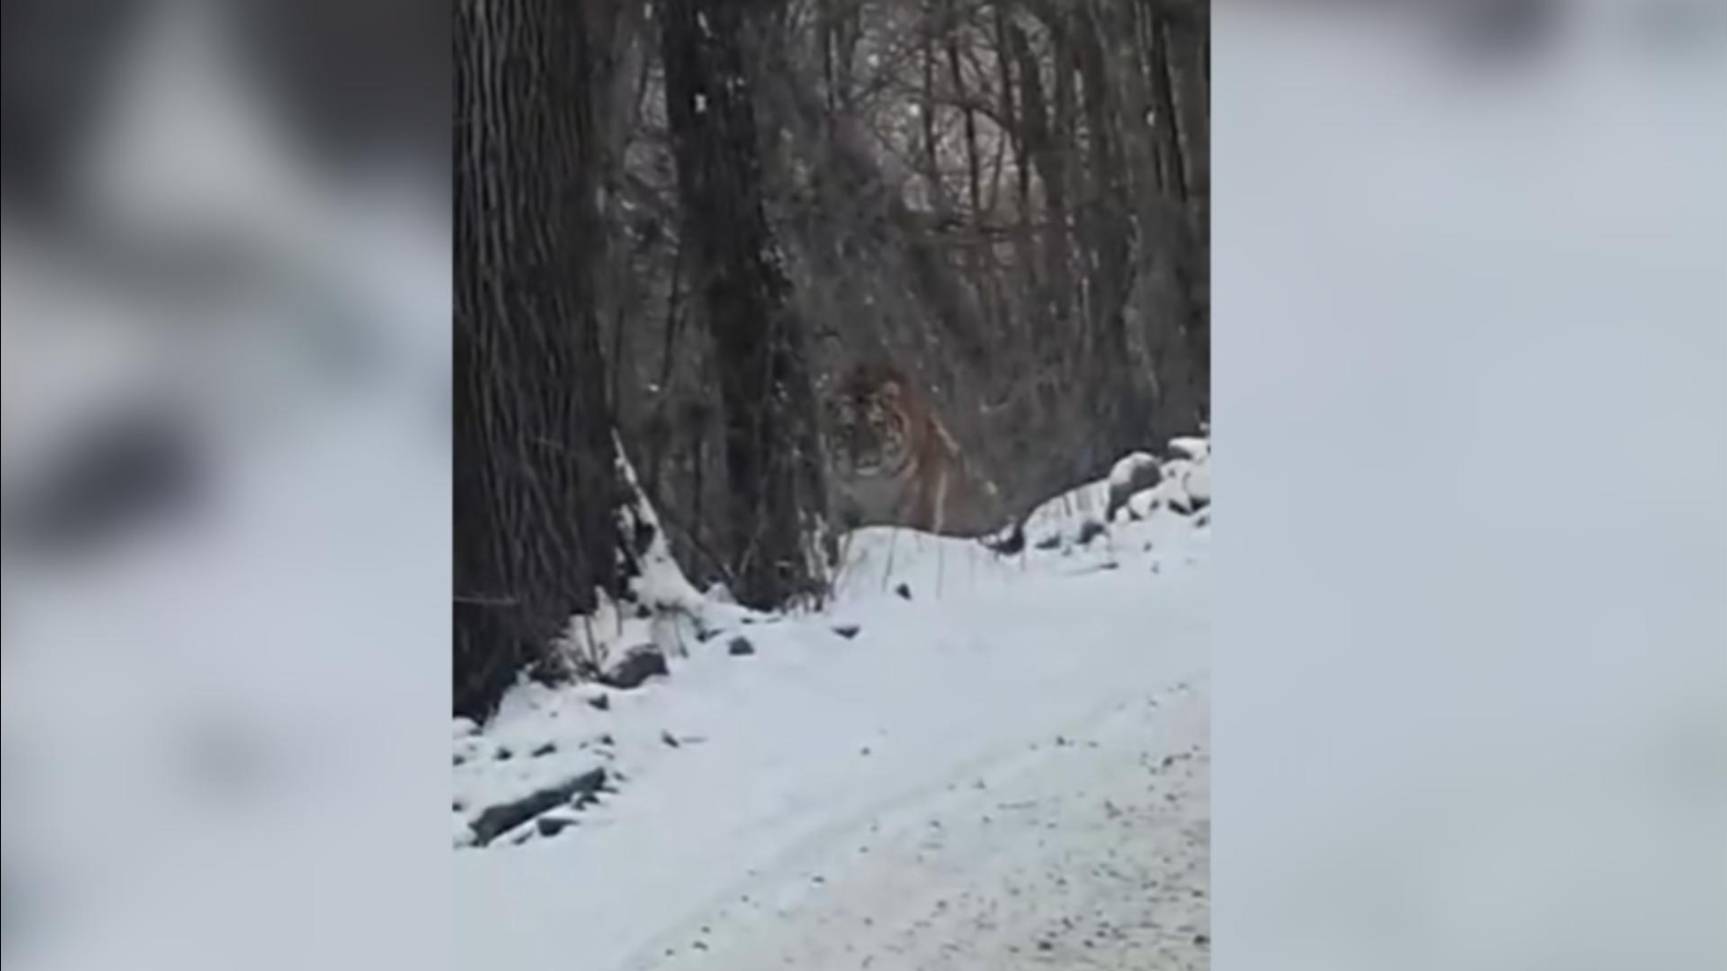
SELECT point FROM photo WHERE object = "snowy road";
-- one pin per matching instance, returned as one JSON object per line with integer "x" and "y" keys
{"x": 1090, "y": 850}
{"x": 1007, "y": 768}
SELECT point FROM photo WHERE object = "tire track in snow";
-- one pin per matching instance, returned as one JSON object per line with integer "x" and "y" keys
{"x": 1089, "y": 850}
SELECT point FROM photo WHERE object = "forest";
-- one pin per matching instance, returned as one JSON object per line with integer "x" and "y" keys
{"x": 678, "y": 222}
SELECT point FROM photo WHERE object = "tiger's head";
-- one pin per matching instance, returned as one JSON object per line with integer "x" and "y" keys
{"x": 872, "y": 429}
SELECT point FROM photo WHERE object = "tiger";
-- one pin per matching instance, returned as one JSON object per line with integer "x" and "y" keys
{"x": 895, "y": 464}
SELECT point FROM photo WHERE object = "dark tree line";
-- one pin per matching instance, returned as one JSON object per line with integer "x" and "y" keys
{"x": 1008, "y": 197}
{"x": 676, "y": 222}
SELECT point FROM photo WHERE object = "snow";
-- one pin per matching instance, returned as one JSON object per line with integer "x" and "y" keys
{"x": 1195, "y": 449}
{"x": 1036, "y": 855}
{"x": 1006, "y": 762}
{"x": 678, "y": 612}
{"x": 1130, "y": 469}
{"x": 1195, "y": 481}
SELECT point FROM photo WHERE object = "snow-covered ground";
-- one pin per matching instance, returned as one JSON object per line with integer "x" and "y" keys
{"x": 1003, "y": 763}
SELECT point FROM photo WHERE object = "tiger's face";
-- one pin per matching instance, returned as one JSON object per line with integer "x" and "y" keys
{"x": 872, "y": 425}
{"x": 872, "y": 432}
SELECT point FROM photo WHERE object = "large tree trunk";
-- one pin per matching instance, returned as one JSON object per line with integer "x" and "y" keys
{"x": 535, "y": 466}
{"x": 773, "y": 461}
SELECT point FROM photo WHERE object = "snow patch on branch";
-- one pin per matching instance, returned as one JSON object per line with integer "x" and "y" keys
{"x": 660, "y": 609}
{"x": 658, "y": 582}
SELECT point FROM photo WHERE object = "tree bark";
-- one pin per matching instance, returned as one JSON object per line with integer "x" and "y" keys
{"x": 535, "y": 464}
{"x": 1117, "y": 407}
{"x": 774, "y": 470}
{"x": 1182, "y": 345}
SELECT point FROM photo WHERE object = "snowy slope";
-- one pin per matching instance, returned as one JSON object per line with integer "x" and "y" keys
{"x": 1041, "y": 719}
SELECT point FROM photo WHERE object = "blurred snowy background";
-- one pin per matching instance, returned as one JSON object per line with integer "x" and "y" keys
{"x": 226, "y": 480}
{"x": 1470, "y": 682}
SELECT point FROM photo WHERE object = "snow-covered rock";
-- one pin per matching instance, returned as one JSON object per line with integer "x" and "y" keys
{"x": 1133, "y": 474}
{"x": 1192, "y": 448}
{"x": 498, "y": 819}
{"x": 1196, "y": 482}
{"x": 1138, "y": 483}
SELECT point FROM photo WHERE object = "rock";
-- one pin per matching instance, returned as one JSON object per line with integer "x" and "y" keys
{"x": 1009, "y": 541}
{"x": 601, "y": 702}
{"x": 847, "y": 631}
{"x": 903, "y": 591}
{"x": 499, "y": 819}
{"x": 636, "y": 666}
{"x": 740, "y": 647}
{"x": 1089, "y": 530}
{"x": 544, "y": 750}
